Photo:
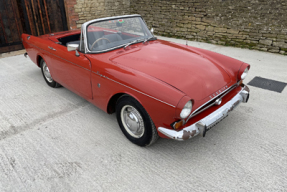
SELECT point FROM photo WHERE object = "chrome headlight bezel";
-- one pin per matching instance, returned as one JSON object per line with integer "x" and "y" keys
{"x": 185, "y": 112}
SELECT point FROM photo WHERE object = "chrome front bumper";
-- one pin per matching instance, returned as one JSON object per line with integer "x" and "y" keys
{"x": 209, "y": 121}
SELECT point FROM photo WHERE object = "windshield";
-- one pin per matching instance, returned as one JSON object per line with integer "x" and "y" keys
{"x": 114, "y": 33}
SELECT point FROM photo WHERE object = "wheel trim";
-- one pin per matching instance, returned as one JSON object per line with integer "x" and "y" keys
{"x": 132, "y": 121}
{"x": 47, "y": 73}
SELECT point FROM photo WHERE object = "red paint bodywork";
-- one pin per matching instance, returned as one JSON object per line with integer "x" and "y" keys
{"x": 161, "y": 75}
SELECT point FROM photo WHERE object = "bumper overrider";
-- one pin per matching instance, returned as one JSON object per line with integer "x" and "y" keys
{"x": 209, "y": 121}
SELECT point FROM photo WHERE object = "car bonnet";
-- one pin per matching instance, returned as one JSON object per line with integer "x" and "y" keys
{"x": 175, "y": 65}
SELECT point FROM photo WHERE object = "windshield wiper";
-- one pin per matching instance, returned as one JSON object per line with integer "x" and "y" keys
{"x": 135, "y": 41}
{"x": 149, "y": 39}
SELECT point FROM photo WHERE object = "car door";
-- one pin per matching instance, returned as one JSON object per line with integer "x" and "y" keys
{"x": 71, "y": 71}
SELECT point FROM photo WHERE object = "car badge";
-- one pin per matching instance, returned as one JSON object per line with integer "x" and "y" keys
{"x": 218, "y": 101}
{"x": 218, "y": 92}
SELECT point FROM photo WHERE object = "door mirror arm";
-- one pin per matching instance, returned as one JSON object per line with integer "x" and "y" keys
{"x": 77, "y": 53}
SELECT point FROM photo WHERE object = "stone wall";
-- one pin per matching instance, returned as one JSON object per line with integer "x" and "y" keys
{"x": 93, "y": 9}
{"x": 254, "y": 24}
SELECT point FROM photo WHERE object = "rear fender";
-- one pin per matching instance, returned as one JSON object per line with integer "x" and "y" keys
{"x": 36, "y": 48}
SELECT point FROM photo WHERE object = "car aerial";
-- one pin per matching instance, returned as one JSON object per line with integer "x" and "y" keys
{"x": 156, "y": 88}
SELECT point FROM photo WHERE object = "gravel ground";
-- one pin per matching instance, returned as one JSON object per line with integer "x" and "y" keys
{"x": 53, "y": 140}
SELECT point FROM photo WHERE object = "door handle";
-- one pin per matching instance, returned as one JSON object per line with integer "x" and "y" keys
{"x": 51, "y": 48}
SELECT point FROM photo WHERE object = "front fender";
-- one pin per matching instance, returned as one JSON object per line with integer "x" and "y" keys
{"x": 158, "y": 98}
{"x": 229, "y": 64}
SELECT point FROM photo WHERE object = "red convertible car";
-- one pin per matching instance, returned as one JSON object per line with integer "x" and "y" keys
{"x": 156, "y": 88}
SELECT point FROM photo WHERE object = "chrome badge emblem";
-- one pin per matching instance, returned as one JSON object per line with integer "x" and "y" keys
{"x": 218, "y": 92}
{"x": 218, "y": 101}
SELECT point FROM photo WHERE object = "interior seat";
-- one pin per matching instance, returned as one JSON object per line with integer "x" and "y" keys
{"x": 113, "y": 37}
{"x": 93, "y": 36}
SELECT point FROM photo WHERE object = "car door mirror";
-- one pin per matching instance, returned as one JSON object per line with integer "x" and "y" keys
{"x": 72, "y": 47}
{"x": 152, "y": 30}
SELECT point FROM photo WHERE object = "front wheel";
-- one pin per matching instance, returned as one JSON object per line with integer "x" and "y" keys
{"x": 47, "y": 75}
{"x": 135, "y": 122}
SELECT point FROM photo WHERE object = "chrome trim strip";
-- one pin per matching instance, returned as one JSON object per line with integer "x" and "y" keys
{"x": 221, "y": 95}
{"x": 51, "y": 48}
{"x": 108, "y": 18}
{"x": 133, "y": 89}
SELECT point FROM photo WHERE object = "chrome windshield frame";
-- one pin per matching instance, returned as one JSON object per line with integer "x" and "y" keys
{"x": 85, "y": 25}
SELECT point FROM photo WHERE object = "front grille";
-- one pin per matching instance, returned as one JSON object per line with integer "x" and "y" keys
{"x": 211, "y": 102}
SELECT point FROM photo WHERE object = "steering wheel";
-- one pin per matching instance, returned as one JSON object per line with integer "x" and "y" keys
{"x": 102, "y": 38}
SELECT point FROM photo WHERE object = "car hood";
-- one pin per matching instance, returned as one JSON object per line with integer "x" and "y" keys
{"x": 175, "y": 65}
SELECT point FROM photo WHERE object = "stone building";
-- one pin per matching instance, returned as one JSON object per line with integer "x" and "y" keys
{"x": 253, "y": 24}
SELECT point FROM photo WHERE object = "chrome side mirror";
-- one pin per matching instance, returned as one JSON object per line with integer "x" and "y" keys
{"x": 152, "y": 30}
{"x": 72, "y": 47}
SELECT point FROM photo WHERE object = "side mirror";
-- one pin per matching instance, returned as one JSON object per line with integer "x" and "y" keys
{"x": 152, "y": 30}
{"x": 72, "y": 47}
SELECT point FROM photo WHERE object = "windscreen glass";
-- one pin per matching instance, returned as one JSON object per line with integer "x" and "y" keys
{"x": 108, "y": 34}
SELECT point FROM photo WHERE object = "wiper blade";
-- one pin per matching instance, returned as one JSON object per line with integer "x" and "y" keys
{"x": 149, "y": 39}
{"x": 135, "y": 41}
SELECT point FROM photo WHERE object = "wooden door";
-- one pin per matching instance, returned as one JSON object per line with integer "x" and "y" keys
{"x": 10, "y": 26}
{"x": 35, "y": 17}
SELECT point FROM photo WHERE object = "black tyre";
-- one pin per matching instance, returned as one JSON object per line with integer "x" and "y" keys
{"x": 135, "y": 122}
{"x": 47, "y": 76}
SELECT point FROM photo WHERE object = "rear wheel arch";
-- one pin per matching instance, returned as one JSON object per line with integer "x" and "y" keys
{"x": 47, "y": 75}
{"x": 39, "y": 58}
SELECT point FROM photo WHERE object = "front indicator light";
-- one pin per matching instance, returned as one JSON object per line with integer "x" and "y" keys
{"x": 240, "y": 83}
{"x": 178, "y": 124}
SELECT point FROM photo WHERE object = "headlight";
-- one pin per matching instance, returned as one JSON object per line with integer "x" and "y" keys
{"x": 244, "y": 74}
{"x": 186, "y": 110}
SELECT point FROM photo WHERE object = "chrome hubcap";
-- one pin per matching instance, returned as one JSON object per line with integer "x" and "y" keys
{"x": 46, "y": 72}
{"x": 132, "y": 121}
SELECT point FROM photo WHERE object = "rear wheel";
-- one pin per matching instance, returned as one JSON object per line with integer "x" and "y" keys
{"x": 135, "y": 122}
{"x": 47, "y": 75}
